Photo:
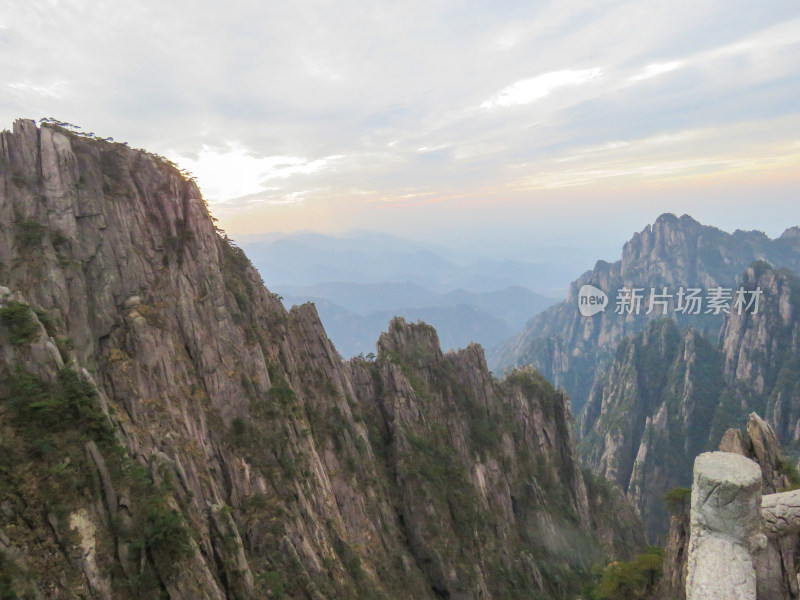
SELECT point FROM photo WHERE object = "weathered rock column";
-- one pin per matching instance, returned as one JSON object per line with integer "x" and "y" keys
{"x": 725, "y": 527}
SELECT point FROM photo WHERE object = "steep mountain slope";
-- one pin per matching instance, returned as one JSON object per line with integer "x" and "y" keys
{"x": 570, "y": 349}
{"x": 669, "y": 395}
{"x": 168, "y": 429}
{"x": 651, "y": 414}
{"x": 761, "y": 355}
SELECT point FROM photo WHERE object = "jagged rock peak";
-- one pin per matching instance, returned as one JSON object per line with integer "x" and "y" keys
{"x": 674, "y": 252}
{"x": 760, "y": 443}
{"x": 667, "y": 236}
{"x": 757, "y": 348}
{"x": 404, "y": 337}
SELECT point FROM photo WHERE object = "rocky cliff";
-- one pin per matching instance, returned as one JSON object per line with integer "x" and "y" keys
{"x": 670, "y": 394}
{"x": 761, "y": 354}
{"x": 570, "y": 349}
{"x": 168, "y": 429}
{"x": 651, "y": 414}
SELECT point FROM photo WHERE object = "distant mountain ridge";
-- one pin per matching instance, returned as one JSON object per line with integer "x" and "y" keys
{"x": 570, "y": 349}
{"x": 513, "y": 304}
{"x": 309, "y": 258}
{"x": 354, "y": 334}
{"x": 354, "y": 314}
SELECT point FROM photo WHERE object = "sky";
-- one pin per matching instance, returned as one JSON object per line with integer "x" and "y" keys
{"x": 563, "y": 122}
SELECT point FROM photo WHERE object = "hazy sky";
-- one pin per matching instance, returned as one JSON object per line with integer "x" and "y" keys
{"x": 555, "y": 120}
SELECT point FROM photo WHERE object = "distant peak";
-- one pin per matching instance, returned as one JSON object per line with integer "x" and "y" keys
{"x": 792, "y": 233}
{"x": 672, "y": 219}
{"x": 667, "y": 218}
{"x": 409, "y": 339}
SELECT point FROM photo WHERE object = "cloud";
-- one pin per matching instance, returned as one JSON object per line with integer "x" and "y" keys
{"x": 234, "y": 173}
{"x": 337, "y": 107}
{"x": 529, "y": 90}
{"x": 657, "y": 69}
{"x": 754, "y": 148}
{"x": 782, "y": 34}
{"x": 56, "y": 89}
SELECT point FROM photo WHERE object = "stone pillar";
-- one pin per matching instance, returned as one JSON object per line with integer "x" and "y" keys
{"x": 725, "y": 527}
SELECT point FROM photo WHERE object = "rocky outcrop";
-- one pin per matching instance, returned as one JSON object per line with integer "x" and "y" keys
{"x": 777, "y": 576}
{"x": 170, "y": 430}
{"x": 476, "y": 461}
{"x": 672, "y": 585}
{"x": 650, "y": 415}
{"x": 673, "y": 252}
{"x": 760, "y": 444}
{"x": 775, "y": 565}
{"x": 762, "y": 353}
{"x": 739, "y": 539}
{"x": 725, "y": 528}
{"x": 669, "y": 395}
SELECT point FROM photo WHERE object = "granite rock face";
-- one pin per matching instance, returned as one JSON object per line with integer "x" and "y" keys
{"x": 168, "y": 429}
{"x": 651, "y": 414}
{"x": 670, "y": 394}
{"x": 761, "y": 352}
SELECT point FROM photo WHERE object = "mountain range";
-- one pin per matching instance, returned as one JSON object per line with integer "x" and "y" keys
{"x": 361, "y": 279}
{"x": 651, "y": 391}
{"x": 354, "y": 314}
{"x": 670, "y": 394}
{"x": 675, "y": 253}
{"x": 369, "y": 257}
{"x": 170, "y": 429}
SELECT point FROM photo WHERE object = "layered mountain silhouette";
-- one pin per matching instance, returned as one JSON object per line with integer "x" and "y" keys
{"x": 354, "y": 314}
